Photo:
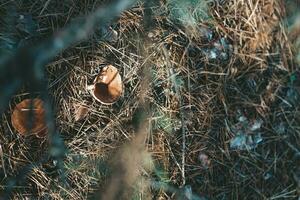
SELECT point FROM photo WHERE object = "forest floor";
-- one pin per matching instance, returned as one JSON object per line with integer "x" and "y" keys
{"x": 210, "y": 108}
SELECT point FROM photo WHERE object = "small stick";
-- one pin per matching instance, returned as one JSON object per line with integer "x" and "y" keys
{"x": 28, "y": 109}
{"x": 177, "y": 91}
{"x": 45, "y": 7}
{"x": 2, "y": 160}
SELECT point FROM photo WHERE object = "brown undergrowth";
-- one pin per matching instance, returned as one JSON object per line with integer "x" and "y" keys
{"x": 186, "y": 87}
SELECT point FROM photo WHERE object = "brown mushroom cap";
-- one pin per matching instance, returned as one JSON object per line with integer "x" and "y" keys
{"x": 108, "y": 86}
{"x": 25, "y": 120}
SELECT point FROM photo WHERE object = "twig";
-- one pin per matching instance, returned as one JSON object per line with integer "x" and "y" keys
{"x": 45, "y": 6}
{"x": 172, "y": 76}
{"x": 2, "y": 160}
{"x": 173, "y": 156}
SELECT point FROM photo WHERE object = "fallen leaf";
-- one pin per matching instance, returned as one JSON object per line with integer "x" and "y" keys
{"x": 80, "y": 112}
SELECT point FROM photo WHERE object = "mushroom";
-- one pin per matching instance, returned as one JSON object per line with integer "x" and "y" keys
{"x": 29, "y": 117}
{"x": 108, "y": 86}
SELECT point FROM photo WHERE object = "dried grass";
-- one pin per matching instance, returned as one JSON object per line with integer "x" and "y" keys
{"x": 193, "y": 101}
